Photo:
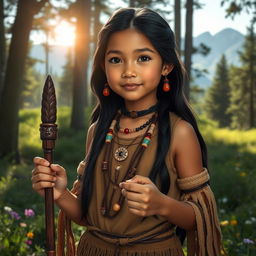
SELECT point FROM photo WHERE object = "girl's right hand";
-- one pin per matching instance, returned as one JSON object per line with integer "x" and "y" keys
{"x": 45, "y": 175}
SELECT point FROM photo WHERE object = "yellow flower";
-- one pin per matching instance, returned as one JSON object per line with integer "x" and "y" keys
{"x": 30, "y": 234}
{"x": 224, "y": 223}
{"x": 233, "y": 222}
{"x": 243, "y": 174}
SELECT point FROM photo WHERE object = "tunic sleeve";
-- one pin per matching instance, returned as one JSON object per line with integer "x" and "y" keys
{"x": 205, "y": 239}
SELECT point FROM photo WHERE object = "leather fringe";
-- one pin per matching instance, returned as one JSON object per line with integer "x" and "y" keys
{"x": 206, "y": 239}
{"x": 88, "y": 248}
{"x": 65, "y": 239}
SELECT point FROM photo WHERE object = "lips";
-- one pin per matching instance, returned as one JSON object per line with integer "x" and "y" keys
{"x": 131, "y": 86}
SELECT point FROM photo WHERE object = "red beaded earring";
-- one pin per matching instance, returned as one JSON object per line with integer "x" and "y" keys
{"x": 166, "y": 85}
{"x": 106, "y": 90}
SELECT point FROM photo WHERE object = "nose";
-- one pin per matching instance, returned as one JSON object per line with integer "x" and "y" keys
{"x": 129, "y": 71}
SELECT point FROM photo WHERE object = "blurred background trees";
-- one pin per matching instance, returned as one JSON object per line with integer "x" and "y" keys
{"x": 230, "y": 100}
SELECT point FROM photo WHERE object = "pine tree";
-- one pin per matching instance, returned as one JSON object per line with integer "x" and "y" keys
{"x": 217, "y": 99}
{"x": 243, "y": 85}
{"x": 65, "y": 87}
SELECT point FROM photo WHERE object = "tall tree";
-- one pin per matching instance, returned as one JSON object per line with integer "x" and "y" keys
{"x": 2, "y": 46}
{"x": 217, "y": 99}
{"x": 9, "y": 105}
{"x": 80, "y": 96}
{"x": 188, "y": 45}
{"x": 177, "y": 23}
{"x": 65, "y": 86}
{"x": 244, "y": 87}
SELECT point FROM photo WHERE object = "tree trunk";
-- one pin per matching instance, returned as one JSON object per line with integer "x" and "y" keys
{"x": 188, "y": 45}
{"x": 252, "y": 81}
{"x": 80, "y": 96}
{"x": 96, "y": 28}
{"x": 9, "y": 106}
{"x": 2, "y": 46}
{"x": 177, "y": 23}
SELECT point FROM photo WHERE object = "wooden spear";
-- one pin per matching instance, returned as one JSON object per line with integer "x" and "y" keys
{"x": 48, "y": 134}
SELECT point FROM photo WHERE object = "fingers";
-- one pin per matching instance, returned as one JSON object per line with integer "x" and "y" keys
{"x": 140, "y": 180}
{"x": 43, "y": 177}
{"x": 41, "y": 185}
{"x": 40, "y": 161}
{"x": 134, "y": 187}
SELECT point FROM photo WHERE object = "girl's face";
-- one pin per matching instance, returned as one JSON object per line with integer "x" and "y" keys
{"x": 133, "y": 68}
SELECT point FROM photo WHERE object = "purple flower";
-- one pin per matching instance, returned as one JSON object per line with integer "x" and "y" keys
{"x": 29, "y": 213}
{"x": 248, "y": 241}
{"x": 14, "y": 215}
{"x": 28, "y": 242}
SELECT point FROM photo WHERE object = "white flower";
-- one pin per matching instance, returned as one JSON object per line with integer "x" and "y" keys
{"x": 248, "y": 222}
{"x": 7, "y": 209}
{"x": 224, "y": 199}
{"x": 253, "y": 219}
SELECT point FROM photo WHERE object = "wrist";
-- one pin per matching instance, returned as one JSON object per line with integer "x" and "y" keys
{"x": 167, "y": 203}
{"x": 63, "y": 196}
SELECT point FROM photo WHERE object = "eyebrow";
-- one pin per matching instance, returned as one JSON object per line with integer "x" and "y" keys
{"x": 137, "y": 50}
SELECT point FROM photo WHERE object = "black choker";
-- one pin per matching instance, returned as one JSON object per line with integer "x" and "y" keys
{"x": 135, "y": 114}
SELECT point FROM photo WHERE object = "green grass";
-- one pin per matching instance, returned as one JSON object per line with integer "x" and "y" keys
{"x": 232, "y": 155}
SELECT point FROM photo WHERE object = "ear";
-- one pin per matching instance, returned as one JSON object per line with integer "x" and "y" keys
{"x": 167, "y": 68}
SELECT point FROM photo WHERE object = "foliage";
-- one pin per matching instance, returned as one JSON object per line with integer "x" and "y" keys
{"x": 236, "y": 7}
{"x": 217, "y": 99}
{"x": 242, "y": 82}
{"x": 20, "y": 231}
{"x": 231, "y": 165}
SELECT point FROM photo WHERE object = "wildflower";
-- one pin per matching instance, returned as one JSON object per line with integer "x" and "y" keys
{"x": 14, "y": 215}
{"x": 224, "y": 199}
{"x": 30, "y": 234}
{"x": 23, "y": 224}
{"x": 248, "y": 222}
{"x": 224, "y": 223}
{"x": 28, "y": 242}
{"x": 253, "y": 219}
{"x": 243, "y": 174}
{"x": 29, "y": 213}
{"x": 233, "y": 222}
{"x": 7, "y": 209}
{"x": 248, "y": 241}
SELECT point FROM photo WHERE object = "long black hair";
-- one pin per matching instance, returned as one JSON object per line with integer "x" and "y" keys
{"x": 157, "y": 30}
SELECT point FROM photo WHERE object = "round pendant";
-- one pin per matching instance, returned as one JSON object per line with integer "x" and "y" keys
{"x": 121, "y": 154}
{"x": 116, "y": 207}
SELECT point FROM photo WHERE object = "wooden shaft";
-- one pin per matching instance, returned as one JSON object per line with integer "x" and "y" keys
{"x": 49, "y": 211}
{"x": 48, "y": 134}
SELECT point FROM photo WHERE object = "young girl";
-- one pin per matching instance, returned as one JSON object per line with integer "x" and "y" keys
{"x": 144, "y": 180}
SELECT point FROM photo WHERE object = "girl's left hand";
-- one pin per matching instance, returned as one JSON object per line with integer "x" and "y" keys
{"x": 143, "y": 197}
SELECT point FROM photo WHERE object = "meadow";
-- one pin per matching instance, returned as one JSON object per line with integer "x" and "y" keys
{"x": 232, "y": 155}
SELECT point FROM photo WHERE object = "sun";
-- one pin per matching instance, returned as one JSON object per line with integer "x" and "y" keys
{"x": 64, "y": 34}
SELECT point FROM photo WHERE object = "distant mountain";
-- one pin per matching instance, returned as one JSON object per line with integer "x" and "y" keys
{"x": 228, "y": 41}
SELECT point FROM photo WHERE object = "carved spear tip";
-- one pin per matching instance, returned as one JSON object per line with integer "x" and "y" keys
{"x": 49, "y": 109}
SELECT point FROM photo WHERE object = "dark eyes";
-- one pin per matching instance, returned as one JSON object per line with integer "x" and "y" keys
{"x": 144, "y": 58}
{"x": 116, "y": 60}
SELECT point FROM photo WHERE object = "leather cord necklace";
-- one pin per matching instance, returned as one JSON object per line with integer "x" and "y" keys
{"x": 135, "y": 114}
{"x": 111, "y": 186}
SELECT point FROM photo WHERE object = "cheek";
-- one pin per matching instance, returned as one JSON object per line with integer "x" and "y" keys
{"x": 153, "y": 74}
{"x": 112, "y": 74}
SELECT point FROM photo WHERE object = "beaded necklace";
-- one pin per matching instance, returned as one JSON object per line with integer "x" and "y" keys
{"x": 128, "y": 130}
{"x": 111, "y": 186}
